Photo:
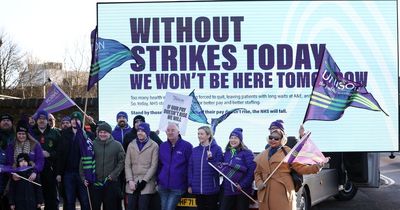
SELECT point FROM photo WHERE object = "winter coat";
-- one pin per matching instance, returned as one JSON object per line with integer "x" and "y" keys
{"x": 202, "y": 178}
{"x": 67, "y": 147}
{"x": 35, "y": 155}
{"x": 279, "y": 192}
{"x": 244, "y": 158}
{"x": 110, "y": 157}
{"x": 133, "y": 135}
{"x": 142, "y": 165}
{"x": 23, "y": 194}
{"x": 6, "y": 137}
{"x": 118, "y": 133}
{"x": 173, "y": 165}
{"x": 48, "y": 141}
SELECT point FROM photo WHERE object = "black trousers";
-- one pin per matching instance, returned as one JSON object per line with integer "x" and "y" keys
{"x": 238, "y": 202}
{"x": 49, "y": 188}
{"x": 207, "y": 202}
{"x": 139, "y": 202}
{"x": 108, "y": 195}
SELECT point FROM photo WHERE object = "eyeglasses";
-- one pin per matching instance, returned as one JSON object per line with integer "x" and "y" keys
{"x": 274, "y": 138}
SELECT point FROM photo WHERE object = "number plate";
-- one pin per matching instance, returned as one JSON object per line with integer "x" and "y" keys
{"x": 187, "y": 202}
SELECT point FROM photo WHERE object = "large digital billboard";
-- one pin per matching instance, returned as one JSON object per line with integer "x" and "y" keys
{"x": 259, "y": 55}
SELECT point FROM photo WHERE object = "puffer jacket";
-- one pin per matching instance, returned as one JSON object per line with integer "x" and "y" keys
{"x": 202, "y": 178}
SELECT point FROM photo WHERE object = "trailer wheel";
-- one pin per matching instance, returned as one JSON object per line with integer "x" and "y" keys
{"x": 348, "y": 193}
{"x": 303, "y": 201}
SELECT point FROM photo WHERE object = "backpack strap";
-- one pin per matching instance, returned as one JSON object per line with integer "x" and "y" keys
{"x": 285, "y": 152}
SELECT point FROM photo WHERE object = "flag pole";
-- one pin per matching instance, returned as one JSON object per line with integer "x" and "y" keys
{"x": 90, "y": 200}
{"x": 308, "y": 105}
{"x": 83, "y": 112}
{"x": 84, "y": 116}
{"x": 231, "y": 182}
{"x": 26, "y": 179}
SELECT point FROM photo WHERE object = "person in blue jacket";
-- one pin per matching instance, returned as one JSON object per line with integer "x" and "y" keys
{"x": 241, "y": 160}
{"x": 174, "y": 155}
{"x": 203, "y": 179}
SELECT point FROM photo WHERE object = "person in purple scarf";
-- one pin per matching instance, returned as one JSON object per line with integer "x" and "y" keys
{"x": 140, "y": 169}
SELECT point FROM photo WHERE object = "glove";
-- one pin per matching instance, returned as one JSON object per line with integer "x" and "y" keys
{"x": 140, "y": 186}
{"x": 261, "y": 186}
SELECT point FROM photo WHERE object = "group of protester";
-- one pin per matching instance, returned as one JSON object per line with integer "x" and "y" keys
{"x": 134, "y": 163}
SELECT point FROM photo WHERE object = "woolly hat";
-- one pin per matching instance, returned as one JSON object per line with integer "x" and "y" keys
{"x": 42, "y": 113}
{"x": 66, "y": 118}
{"x": 22, "y": 126}
{"x": 6, "y": 117}
{"x": 145, "y": 127}
{"x": 138, "y": 117}
{"x": 104, "y": 127}
{"x": 77, "y": 115}
{"x": 238, "y": 133}
{"x": 23, "y": 156}
{"x": 278, "y": 124}
{"x": 122, "y": 114}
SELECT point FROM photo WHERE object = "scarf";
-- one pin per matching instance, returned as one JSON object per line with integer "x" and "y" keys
{"x": 272, "y": 151}
{"x": 21, "y": 147}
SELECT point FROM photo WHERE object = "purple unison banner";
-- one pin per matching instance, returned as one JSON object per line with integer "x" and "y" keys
{"x": 332, "y": 93}
{"x": 56, "y": 100}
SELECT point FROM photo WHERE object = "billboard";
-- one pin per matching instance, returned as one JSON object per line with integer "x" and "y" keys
{"x": 259, "y": 55}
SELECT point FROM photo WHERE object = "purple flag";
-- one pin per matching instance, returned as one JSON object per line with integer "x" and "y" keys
{"x": 305, "y": 152}
{"x": 107, "y": 54}
{"x": 332, "y": 93}
{"x": 56, "y": 100}
{"x": 233, "y": 171}
{"x": 87, "y": 155}
{"x": 10, "y": 169}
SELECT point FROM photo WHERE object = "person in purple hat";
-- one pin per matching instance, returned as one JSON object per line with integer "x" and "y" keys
{"x": 278, "y": 192}
{"x": 48, "y": 138}
{"x": 23, "y": 194}
{"x": 65, "y": 122}
{"x": 6, "y": 137}
{"x": 133, "y": 133}
{"x": 141, "y": 163}
{"x": 68, "y": 164}
{"x": 122, "y": 127}
{"x": 25, "y": 143}
{"x": 240, "y": 158}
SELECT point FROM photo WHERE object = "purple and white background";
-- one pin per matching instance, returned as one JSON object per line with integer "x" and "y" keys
{"x": 265, "y": 64}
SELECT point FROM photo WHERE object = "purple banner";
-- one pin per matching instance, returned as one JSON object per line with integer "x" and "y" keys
{"x": 56, "y": 100}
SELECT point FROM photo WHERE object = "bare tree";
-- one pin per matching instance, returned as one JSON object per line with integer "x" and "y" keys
{"x": 10, "y": 62}
{"x": 77, "y": 63}
{"x": 28, "y": 77}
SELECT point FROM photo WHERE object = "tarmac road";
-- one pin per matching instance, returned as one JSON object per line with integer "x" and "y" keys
{"x": 386, "y": 197}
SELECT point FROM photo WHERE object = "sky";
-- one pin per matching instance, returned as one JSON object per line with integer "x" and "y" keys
{"x": 48, "y": 28}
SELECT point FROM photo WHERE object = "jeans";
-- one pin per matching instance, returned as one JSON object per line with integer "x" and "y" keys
{"x": 170, "y": 198}
{"x": 73, "y": 187}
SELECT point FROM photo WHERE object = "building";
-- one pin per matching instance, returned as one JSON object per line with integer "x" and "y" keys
{"x": 38, "y": 74}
